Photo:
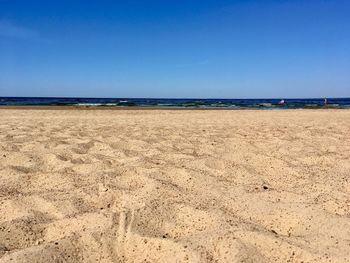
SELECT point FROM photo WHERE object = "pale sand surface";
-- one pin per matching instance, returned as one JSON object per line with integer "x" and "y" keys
{"x": 174, "y": 186}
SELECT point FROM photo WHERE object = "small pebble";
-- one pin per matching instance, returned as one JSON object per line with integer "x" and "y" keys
{"x": 273, "y": 231}
{"x": 102, "y": 188}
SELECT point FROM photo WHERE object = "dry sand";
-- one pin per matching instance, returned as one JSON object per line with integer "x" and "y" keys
{"x": 174, "y": 186}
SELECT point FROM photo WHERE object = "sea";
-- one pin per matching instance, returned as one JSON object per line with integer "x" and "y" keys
{"x": 268, "y": 104}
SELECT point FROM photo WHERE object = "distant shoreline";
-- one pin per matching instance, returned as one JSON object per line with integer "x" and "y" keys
{"x": 126, "y": 108}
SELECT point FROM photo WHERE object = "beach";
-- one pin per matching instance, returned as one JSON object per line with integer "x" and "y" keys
{"x": 174, "y": 185}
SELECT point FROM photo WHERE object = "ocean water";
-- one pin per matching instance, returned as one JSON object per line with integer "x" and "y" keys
{"x": 178, "y": 103}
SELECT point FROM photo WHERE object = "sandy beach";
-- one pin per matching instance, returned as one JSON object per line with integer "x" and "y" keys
{"x": 174, "y": 186}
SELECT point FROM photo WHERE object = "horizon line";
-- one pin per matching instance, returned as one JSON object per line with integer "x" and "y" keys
{"x": 175, "y": 98}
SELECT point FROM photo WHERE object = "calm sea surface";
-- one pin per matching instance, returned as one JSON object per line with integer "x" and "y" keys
{"x": 180, "y": 103}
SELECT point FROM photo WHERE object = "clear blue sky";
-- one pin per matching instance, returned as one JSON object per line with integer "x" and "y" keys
{"x": 182, "y": 48}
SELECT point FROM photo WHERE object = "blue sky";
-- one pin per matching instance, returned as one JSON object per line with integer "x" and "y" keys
{"x": 183, "y": 48}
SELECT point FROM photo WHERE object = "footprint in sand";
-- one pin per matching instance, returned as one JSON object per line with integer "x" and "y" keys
{"x": 130, "y": 246}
